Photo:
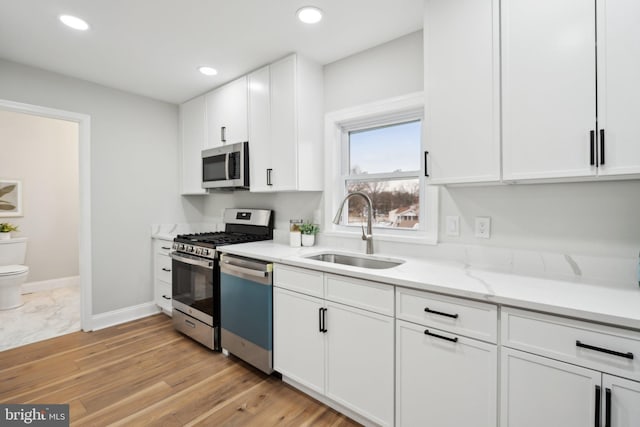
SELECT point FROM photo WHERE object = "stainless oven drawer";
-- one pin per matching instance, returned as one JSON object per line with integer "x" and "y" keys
{"x": 194, "y": 328}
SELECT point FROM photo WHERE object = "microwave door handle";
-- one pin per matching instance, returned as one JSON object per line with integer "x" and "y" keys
{"x": 226, "y": 166}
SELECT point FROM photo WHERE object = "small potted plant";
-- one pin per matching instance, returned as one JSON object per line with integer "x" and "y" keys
{"x": 5, "y": 230}
{"x": 309, "y": 232}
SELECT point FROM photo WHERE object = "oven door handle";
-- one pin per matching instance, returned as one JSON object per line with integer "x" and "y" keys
{"x": 191, "y": 261}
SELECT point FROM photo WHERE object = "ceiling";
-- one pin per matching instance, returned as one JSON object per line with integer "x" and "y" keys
{"x": 153, "y": 47}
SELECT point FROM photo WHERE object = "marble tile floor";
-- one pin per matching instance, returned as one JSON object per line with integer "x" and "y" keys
{"x": 45, "y": 314}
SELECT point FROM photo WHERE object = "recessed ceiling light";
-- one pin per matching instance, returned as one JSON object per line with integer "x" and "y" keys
{"x": 74, "y": 22}
{"x": 208, "y": 71}
{"x": 309, "y": 14}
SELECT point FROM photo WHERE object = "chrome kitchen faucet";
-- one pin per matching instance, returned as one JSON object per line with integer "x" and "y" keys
{"x": 368, "y": 236}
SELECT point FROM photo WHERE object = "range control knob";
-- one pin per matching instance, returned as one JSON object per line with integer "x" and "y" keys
{"x": 198, "y": 251}
{"x": 182, "y": 247}
{"x": 190, "y": 249}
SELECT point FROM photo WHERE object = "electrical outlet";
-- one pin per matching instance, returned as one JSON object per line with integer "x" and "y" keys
{"x": 452, "y": 225}
{"x": 483, "y": 227}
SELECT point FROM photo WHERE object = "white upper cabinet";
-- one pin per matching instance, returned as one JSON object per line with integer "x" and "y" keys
{"x": 552, "y": 125}
{"x": 193, "y": 135}
{"x": 259, "y": 129}
{"x": 462, "y": 85}
{"x": 227, "y": 114}
{"x": 285, "y": 124}
{"x": 618, "y": 86}
{"x": 549, "y": 88}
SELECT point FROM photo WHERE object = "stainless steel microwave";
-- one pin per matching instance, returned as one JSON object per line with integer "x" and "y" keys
{"x": 226, "y": 167}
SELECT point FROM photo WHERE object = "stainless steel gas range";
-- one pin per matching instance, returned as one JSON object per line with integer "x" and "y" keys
{"x": 196, "y": 272}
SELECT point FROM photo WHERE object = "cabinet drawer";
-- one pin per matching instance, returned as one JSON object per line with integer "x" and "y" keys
{"x": 163, "y": 268}
{"x": 371, "y": 296}
{"x": 162, "y": 247}
{"x": 163, "y": 295}
{"x": 603, "y": 348}
{"x": 298, "y": 279}
{"x": 469, "y": 318}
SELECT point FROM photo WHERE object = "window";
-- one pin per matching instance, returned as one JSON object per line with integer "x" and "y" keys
{"x": 377, "y": 149}
{"x": 384, "y": 163}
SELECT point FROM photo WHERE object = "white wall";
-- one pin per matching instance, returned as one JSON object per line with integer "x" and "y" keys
{"x": 390, "y": 69}
{"x": 134, "y": 175}
{"x": 598, "y": 218}
{"x": 42, "y": 153}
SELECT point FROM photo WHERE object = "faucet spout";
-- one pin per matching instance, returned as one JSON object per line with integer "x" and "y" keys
{"x": 368, "y": 236}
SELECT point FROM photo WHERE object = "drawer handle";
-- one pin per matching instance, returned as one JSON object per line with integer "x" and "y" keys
{"x": 166, "y": 297}
{"x": 605, "y": 350}
{"x": 190, "y": 323}
{"x": 431, "y": 334}
{"x": 166, "y": 269}
{"x": 166, "y": 248}
{"x": 453, "y": 316}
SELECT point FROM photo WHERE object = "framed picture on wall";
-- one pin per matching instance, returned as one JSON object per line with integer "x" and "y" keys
{"x": 10, "y": 198}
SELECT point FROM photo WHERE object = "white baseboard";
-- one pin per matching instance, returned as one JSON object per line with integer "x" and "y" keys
{"x": 123, "y": 315}
{"x": 47, "y": 285}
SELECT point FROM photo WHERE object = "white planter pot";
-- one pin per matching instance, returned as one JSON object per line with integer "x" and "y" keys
{"x": 5, "y": 235}
{"x": 308, "y": 239}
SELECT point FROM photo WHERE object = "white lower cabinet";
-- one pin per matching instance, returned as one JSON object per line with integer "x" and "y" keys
{"x": 360, "y": 361}
{"x": 444, "y": 379}
{"x": 298, "y": 339}
{"x": 537, "y": 391}
{"x": 623, "y": 397}
{"x": 569, "y": 381}
{"x": 162, "y": 275}
{"x": 343, "y": 353}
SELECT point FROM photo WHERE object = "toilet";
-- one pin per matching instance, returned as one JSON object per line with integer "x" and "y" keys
{"x": 12, "y": 271}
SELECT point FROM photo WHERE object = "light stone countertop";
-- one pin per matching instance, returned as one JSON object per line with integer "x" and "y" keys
{"x": 619, "y": 306}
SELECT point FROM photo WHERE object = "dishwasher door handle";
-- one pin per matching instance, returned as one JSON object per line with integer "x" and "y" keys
{"x": 262, "y": 277}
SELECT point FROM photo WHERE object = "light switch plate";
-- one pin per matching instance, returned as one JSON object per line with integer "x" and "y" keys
{"x": 452, "y": 225}
{"x": 483, "y": 227}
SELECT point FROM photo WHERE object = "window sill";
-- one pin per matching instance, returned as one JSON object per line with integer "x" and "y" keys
{"x": 415, "y": 239}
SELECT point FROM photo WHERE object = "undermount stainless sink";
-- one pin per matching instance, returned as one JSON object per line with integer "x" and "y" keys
{"x": 355, "y": 260}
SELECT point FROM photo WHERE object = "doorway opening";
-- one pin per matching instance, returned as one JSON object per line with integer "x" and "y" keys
{"x": 56, "y": 213}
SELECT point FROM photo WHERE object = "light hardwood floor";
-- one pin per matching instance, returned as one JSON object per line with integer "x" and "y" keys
{"x": 143, "y": 373}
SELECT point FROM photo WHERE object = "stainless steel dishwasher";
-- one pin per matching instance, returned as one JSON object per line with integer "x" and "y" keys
{"x": 246, "y": 301}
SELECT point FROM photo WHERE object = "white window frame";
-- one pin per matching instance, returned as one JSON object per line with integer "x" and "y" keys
{"x": 337, "y": 126}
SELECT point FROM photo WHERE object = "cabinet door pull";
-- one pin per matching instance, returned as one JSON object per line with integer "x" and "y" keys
{"x": 628, "y": 355}
{"x": 596, "y": 421}
{"x": 439, "y": 313}
{"x": 431, "y": 334}
{"x": 607, "y": 405}
{"x": 166, "y": 297}
{"x": 269, "y": 176}
{"x": 324, "y": 320}
{"x": 320, "y": 327}
{"x": 166, "y": 269}
{"x": 426, "y": 172}
{"x": 592, "y": 141}
{"x": 166, "y": 248}
{"x": 602, "y": 146}
{"x": 223, "y": 134}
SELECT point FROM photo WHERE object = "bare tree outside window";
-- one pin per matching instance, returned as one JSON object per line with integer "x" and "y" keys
{"x": 384, "y": 164}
